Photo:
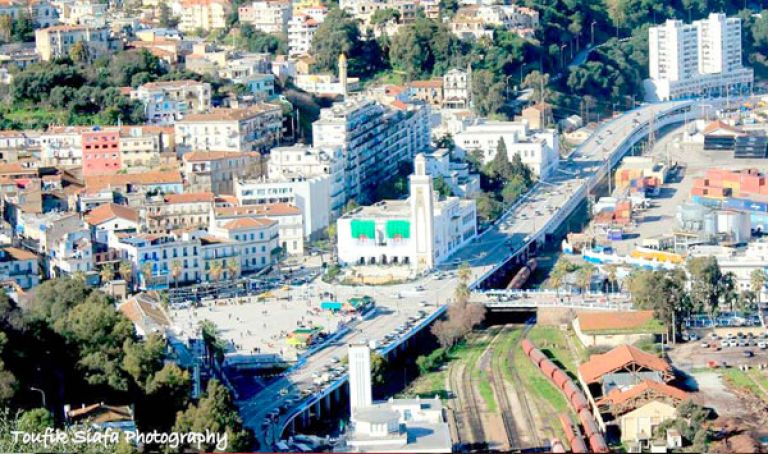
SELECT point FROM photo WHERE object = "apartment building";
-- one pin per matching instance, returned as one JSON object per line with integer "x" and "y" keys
{"x": 206, "y": 15}
{"x": 304, "y": 161}
{"x": 373, "y": 140}
{"x": 301, "y": 31}
{"x": 698, "y": 59}
{"x": 19, "y": 266}
{"x": 79, "y": 12}
{"x": 255, "y": 128}
{"x": 140, "y": 148}
{"x": 177, "y": 211}
{"x": 101, "y": 151}
{"x": 538, "y": 150}
{"x": 42, "y": 12}
{"x": 215, "y": 171}
{"x": 57, "y": 41}
{"x": 288, "y": 217}
{"x": 269, "y": 16}
{"x": 167, "y": 102}
{"x": 256, "y": 238}
{"x": 457, "y": 88}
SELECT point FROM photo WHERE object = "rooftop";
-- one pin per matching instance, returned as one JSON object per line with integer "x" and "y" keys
{"x": 189, "y": 197}
{"x": 222, "y": 114}
{"x": 619, "y": 358}
{"x": 272, "y": 209}
{"x": 618, "y": 322}
{"x": 109, "y": 211}
{"x": 99, "y": 182}
{"x": 248, "y": 223}
{"x": 646, "y": 387}
{"x": 202, "y": 156}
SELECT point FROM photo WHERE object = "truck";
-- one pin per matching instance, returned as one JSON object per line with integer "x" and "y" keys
{"x": 322, "y": 379}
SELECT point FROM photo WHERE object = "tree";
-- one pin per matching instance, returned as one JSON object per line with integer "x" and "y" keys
{"x": 214, "y": 345}
{"x": 126, "y": 272}
{"x": 585, "y": 274}
{"x": 107, "y": 273}
{"x": 728, "y": 289}
{"x": 35, "y": 420}
{"x": 215, "y": 269}
{"x": 215, "y": 412}
{"x": 80, "y": 52}
{"x": 757, "y": 279}
{"x": 165, "y": 18}
{"x": 611, "y": 270}
{"x": 557, "y": 276}
{"x": 146, "y": 273}
{"x": 54, "y": 299}
{"x": 339, "y": 34}
{"x": 143, "y": 360}
{"x": 488, "y": 208}
{"x": 705, "y": 282}
{"x": 424, "y": 48}
{"x": 442, "y": 188}
{"x": 384, "y": 15}
{"x": 176, "y": 269}
{"x": 487, "y": 92}
{"x": 167, "y": 393}
{"x": 233, "y": 266}
{"x": 446, "y": 332}
{"x": 538, "y": 82}
{"x": 378, "y": 369}
{"x": 255, "y": 40}
{"x": 6, "y": 27}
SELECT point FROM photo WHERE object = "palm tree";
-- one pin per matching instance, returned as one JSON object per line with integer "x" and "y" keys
{"x": 146, "y": 273}
{"x": 214, "y": 346}
{"x": 611, "y": 270}
{"x": 215, "y": 269}
{"x": 464, "y": 272}
{"x": 757, "y": 280}
{"x": 107, "y": 273}
{"x": 79, "y": 276}
{"x": 585, "y": 276}
{"x": 176, "y": 271}
{"x": 126, "y": 272}
{"x": 233, "y": 266}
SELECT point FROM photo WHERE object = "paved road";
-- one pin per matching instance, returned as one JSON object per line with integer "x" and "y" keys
{"x": 519, "y": 225}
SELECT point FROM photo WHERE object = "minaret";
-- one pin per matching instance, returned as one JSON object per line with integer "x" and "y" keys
{"x": 422, "y": 216}
{"x": 343, "y": 75}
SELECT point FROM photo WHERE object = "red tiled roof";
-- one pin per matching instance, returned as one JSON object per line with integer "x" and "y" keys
{"x": 19, "y": 254}
{"x": 599, "y": 321}
{"x": 272, "y": 209}
{"x": 196, "y": 156}
{"x": 99, "y": 182}
{"x": 719, "y": 124}
{"x": 248, "y": 223}
{"x": 189, "y": 197}
{"x": 617, "y": 396}
{"x": 223, "y": 114}
{"x": 616, "y": 359}
{"x": 109, "y": 211}
{"x": 432, "y": 83}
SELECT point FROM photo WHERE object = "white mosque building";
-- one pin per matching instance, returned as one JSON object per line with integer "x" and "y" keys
{"x": 420, "y": 231}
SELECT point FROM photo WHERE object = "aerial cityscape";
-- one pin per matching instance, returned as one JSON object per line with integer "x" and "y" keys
{"x": 383, "y": 226}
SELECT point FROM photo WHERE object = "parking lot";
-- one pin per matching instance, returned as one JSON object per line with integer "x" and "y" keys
{"x": 718, "y": 349}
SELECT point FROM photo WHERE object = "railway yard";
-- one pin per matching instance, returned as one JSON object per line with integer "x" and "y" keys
{"x": 496, "y": 398}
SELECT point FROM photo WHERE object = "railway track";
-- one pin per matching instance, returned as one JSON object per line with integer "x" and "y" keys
{"x": 524, "y": 403}
{"x": 469, "y": 425}
{"x": 497, "y": 380}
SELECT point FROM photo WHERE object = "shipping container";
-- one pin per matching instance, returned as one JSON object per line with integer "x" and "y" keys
{"x": 548, "y": 368}
{"x": 559, "y": 378}
{"x": 569, "y": 389}
{"x": 537, "y": 356}
{"x": 588, "y": 423}
{"x": 579, "y": 402}
{"x": 597, "y": 443}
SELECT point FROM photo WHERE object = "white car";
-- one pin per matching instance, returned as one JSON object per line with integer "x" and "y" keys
{"x": 762, "y": 345}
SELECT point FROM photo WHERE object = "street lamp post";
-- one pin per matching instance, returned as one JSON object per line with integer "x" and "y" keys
{"x": 592, "y": 28}
{"x": 562, "y": 47}
{"x": 506, "y": 86}
{"x": 42, "y": 394}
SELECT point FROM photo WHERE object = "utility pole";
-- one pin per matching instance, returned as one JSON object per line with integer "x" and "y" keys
{"x": 592, "y": 27}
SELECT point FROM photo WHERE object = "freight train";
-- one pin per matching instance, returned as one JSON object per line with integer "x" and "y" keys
{"x": 575, "y": 397}
{"x": 522, "y": 275}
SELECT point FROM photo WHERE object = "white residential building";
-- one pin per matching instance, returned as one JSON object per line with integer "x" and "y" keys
{"x": 302, "y": 161}
{"x": 19, "y": 266}
{"x": 538, "y": 150}
{"x": 269, "y": 16}
{"x": 167, "y": 102}
{"x": 204, "y": 15}
{"x": 702, "y": 58}
{"x": 311, "y": 195}
{"x": 325, "y": 84}
{"x": 55, "y": 42}
{"x": 373, "y": 140}
{"x": 255, "y": 128}
{"x": 301, "y": 30}
{"x": 289, "y": 218}
{"x": 456, "y": 174}
{"x": 457, "y": 89}
{"x": 419, "y": 232}
{"x": 42, "y": 12}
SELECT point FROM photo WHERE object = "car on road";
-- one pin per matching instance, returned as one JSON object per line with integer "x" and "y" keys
{"x": 748, "y": 354}
{"x": 335, "y": 359}
{"x": 704, "y": 345}
{"x": 733, "y": 343}
{"x": 762, "y": 345}
{"x": 284, "y": 392}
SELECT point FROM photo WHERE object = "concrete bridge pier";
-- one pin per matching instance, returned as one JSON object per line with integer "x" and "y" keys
{"x": 327, "y": 402}
{"x": 318, "y": 409}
